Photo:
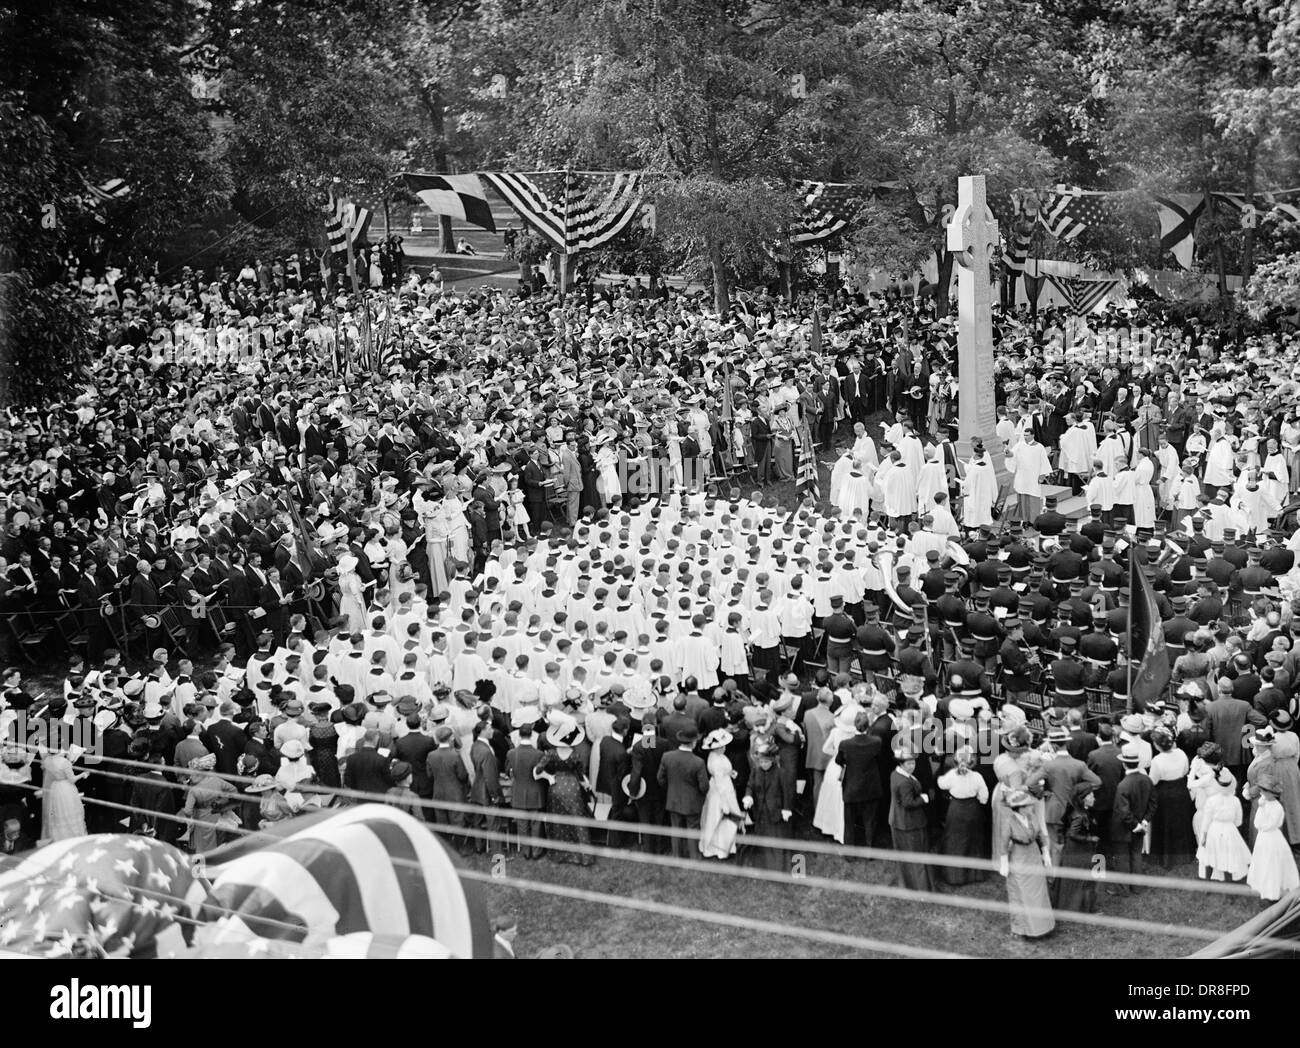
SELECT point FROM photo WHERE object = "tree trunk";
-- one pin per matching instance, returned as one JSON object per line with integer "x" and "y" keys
{"x": 1248, "y": 245}
{"x": 721, "y": 286}
{"x": 431, "y": 96}
{"x": 1218, "y": 244}
{"x": 941, "y": 287}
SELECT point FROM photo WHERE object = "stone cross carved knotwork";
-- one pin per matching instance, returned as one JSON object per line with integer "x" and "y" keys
{"x": 972, "y": 236}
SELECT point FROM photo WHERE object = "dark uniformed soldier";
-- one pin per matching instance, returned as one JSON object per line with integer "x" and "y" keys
{"x": 1098, "y": 652}
{"x": 1068, "y": 676}
{"x": 1177, "y": 628}
{"x": 1050, "y": 523}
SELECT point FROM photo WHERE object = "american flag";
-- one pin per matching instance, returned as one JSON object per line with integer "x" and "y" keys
{"x": 105, "y": 192}
{"x": 1013, "y": 259}
{"x": 1083, "y": 295}
{"x": 106, "y": 895}
{"x": 573, "y": 210}
{"x": 1069, "y": 211}
{"x": 345, "y": 222}
{"x": 368, "y": 868}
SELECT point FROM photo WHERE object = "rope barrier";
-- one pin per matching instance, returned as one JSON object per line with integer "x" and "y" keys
{"x": 779, "y": 843}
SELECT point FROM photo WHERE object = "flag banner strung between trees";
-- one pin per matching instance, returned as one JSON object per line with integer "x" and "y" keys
{"x": 1178, "y": 213}
{"x": 573, "y": 210}
{"x": 1282, "y": 202}
{"x": 1083, "y": 295}
{"x": 346, "y": 223}
{"x": 1069, "y": 211}
{"x": 829, "y": 207}
{"x": 460, "y": 196}
{"x": 1013, "y": 259}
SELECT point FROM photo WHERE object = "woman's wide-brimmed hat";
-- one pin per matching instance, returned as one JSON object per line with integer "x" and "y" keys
{"x": 566, "y": 733}
{"x": 718, "y": 739}
{"x": 1020, "y": 799}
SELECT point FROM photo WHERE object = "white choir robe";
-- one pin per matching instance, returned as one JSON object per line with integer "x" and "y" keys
{"x": 944, "y": 522}
{"x": 1007, "y": 433}
{"x": 979, "y": 491}
{"x": 1101, "y": 492}
{"x": 933, "y": 478}
{"x": 1219, "y": 462}
{"x": 913, "y": 456}
{"x": 1169, "y": 474}
{"x": 1144, "y": 499}
{"x": 1279, "y": 485}
{"x": 698, "y": 657}
{"x": 838, "y": 472}
{"x": 1113, "y": 454}
{"x": 1078, "y": 449}
{"x": 898, "y": 488}
{"x": 854, "y": 495}
{"x": 1030, "y": 462}
{"x": 1258, "y": 506}
{"x": 865, "y": 448}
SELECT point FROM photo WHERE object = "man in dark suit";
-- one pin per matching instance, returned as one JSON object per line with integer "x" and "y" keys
{"x": 449, "y": 782}
{"x": 615, "y": 765}
{"x": 226, "y": 739}
{"x": 685, "y": 781}
{"x": 414, "y": 747}
{"x": 643, "y": 784}
{"x": 1104, "y": 763}
{"x": 486, "y": 789}
{"x": 1056, "y": 781}
{"x": 860, "y": 759}
{"x": 908, "y": 823}
{"x": 1225, "y": 717}
{"x": 12, "y": 839}
{"x": 527, "y": 795}
{"x": 677, "y": 721}
{"x": 1130, "y": 820}
{"x": 367, "y": 768}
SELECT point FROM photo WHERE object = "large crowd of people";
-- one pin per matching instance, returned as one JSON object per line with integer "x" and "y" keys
{"x": 573, "y": 557}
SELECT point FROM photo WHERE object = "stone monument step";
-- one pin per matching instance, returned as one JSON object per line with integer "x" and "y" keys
{"x": 1075, "y": 507}
{"x": 1060, "y": 492}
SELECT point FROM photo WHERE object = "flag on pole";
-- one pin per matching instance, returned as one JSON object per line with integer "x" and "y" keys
{"x": 1147, "y": 651}
{"x": 815, "y": 345}
{"x": 346, "y": 224}
{"x": 808, "y": 483}
{"x": 460, "y": 196}
{"x": 1178, "y": 213}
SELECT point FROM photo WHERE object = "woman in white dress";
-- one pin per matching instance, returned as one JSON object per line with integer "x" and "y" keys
{"x": 1221, "y": 854}
{"x": 829, "y": 816}
{"x": 351, "y": 603}
{"x": 607, "y": 481}
{"x": 720, "y": 820}
{"x": 457, "y": 525}
{"x": 1272, "y": 866}
{"x": 1201, "y": 776}
{"x": 62, "y": 813}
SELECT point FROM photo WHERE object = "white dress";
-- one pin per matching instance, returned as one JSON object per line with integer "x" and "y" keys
{"x": 829, "y": 816}
{"x": 351, "y": 605}
{"x": 717, "y": 826}
{"x": 1272, "y": 866}
{"x": 1221, "y": 847}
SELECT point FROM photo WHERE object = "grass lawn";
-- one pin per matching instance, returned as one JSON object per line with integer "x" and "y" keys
{"x": 605, "y": 931}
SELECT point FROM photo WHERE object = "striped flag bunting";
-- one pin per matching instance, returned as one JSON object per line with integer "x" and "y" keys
{"x": 106, "y": 192}
{"x": 1013, "y": 259}
{"x": 1083, "y": 295}
{"x": 346, "y": 871}
{"x": 573, "y": 210}
{"x": 1178, "y": 213}
{"x": 1280, "y": 202}
{"x": 460, "y": 196}
{"x": 829, "y": 207}
{"x": 346, "y": 222}
{"x": 1068, "y": 211}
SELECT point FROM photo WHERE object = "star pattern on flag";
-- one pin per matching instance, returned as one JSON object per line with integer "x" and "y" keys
{"x": 1066, "y": 215}
{"x": 106, "y": 895}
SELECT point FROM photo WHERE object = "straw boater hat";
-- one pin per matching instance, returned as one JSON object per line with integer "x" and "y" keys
{"x": 567, "y": 733}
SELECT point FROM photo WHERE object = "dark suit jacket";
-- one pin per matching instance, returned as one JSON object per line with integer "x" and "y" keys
{"x": 367, "y": 770}
{"x": 1135, "y": 801}
{"x": 645, "y": 761}
{"x": 672, "y": 724}
{"x": 1060, "y": 775}
{"x": 614, "y": 764}
{"x": 447, "y": 775}
{"x": 414, "y": 747}
{"x": 685, "y": 781}
{"x": 526, "y": 793}
{"x": 1104, "y": 763}
{"x": 227, "y": 742}
{"x": 906, "y": 808}
{"x": 487, "y": 774}
{"x": 860, "y": 759}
